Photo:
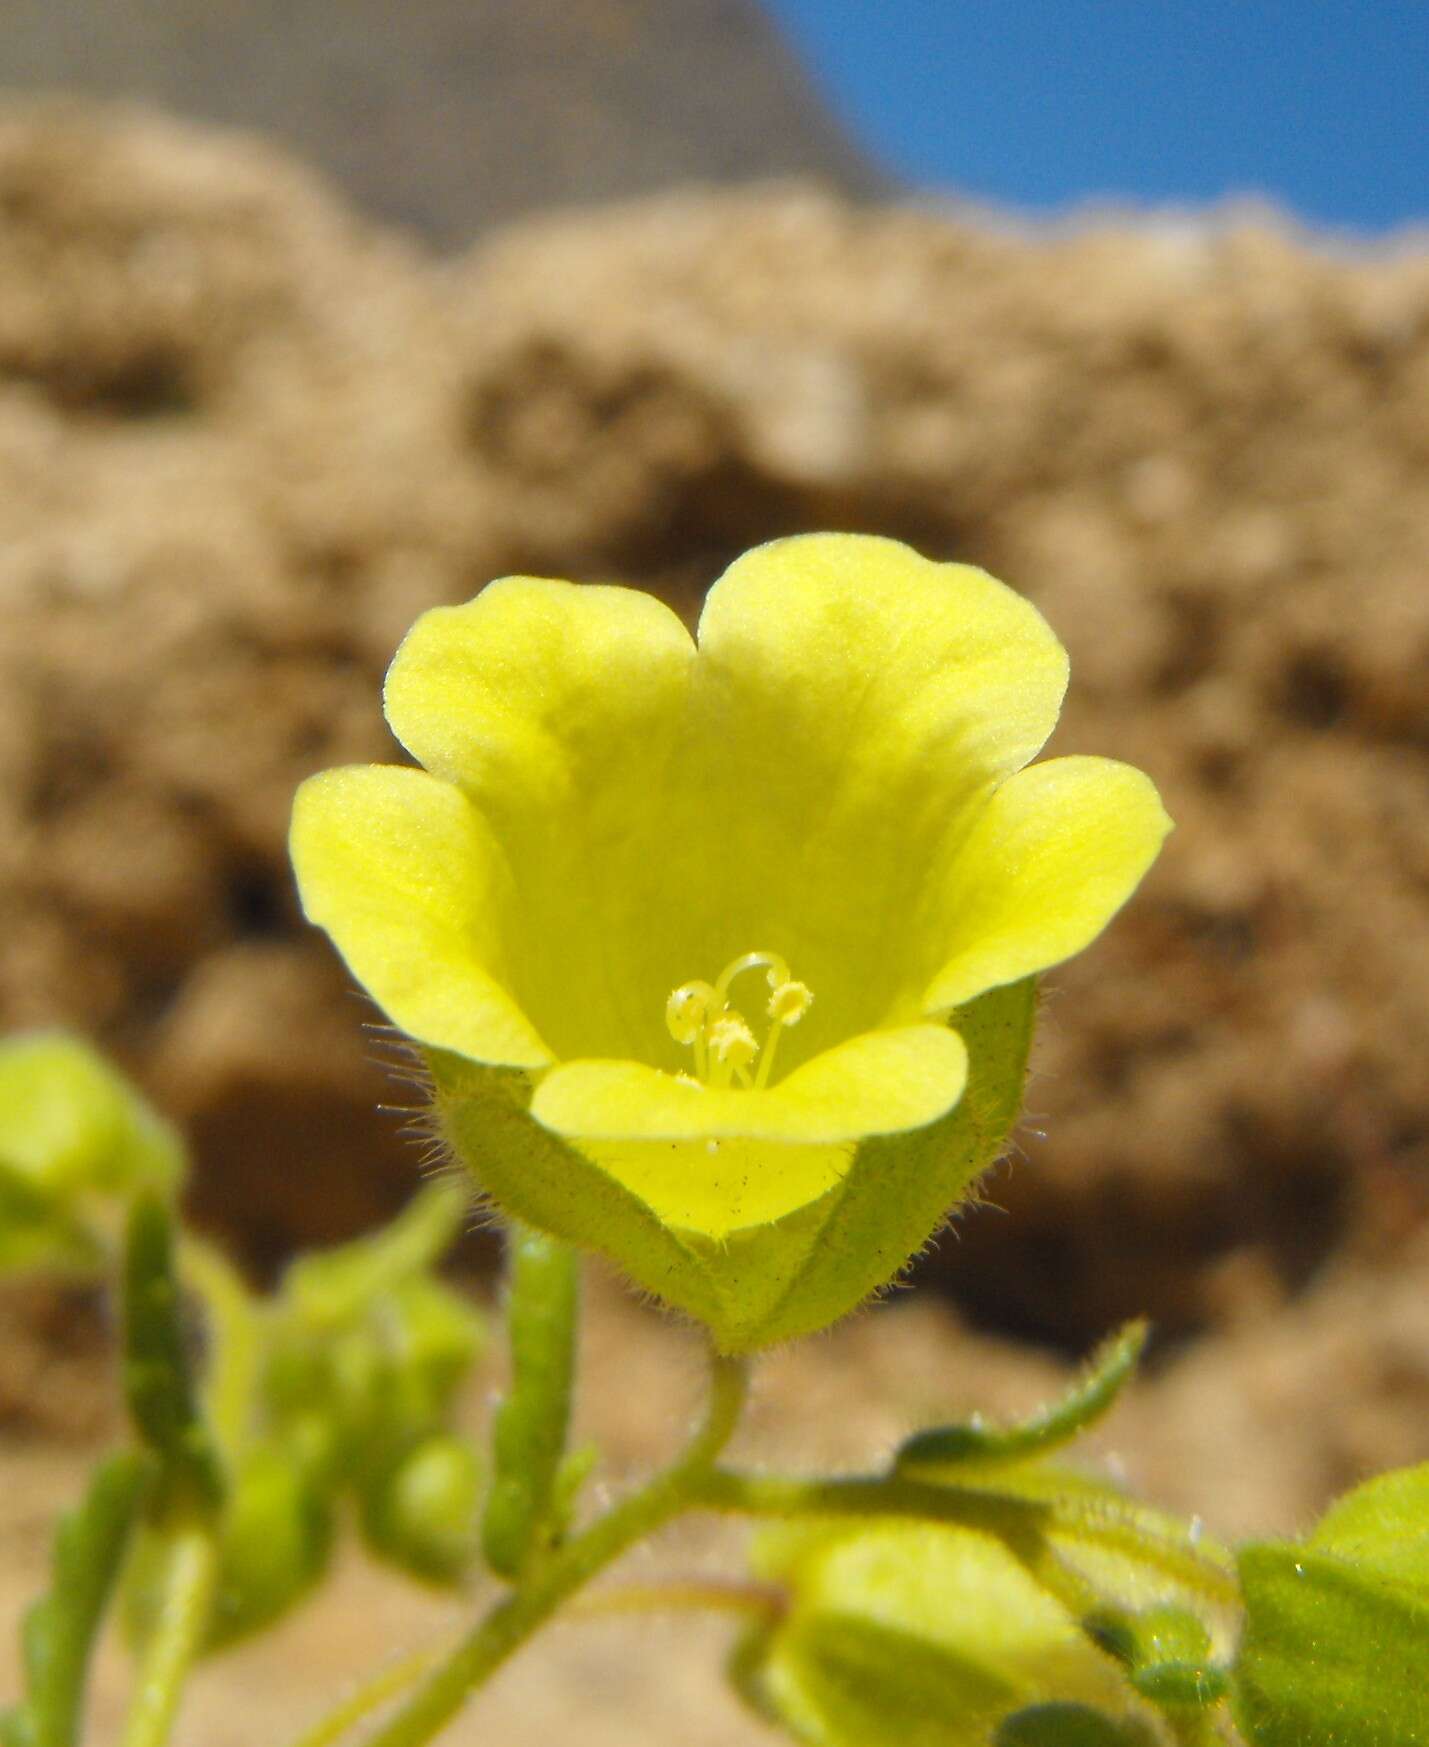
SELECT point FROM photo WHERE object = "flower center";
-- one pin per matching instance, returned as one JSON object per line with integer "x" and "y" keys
{"x": 725, "y": 1049}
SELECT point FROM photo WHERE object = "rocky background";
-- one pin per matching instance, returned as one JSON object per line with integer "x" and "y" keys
{"x": 248, "y": 432}
{"x": 246, "y": 436}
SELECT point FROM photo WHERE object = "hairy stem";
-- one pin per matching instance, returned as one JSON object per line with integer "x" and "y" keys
{"x": 512, "y": 1621}
{"x": 178, "y": 1633}
{"x": 1022, "y": 1524}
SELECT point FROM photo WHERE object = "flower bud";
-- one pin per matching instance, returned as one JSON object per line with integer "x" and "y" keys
{"x": 274, "y": 1544}
{"x": 898, "y": 1631}
{"x": 424, "y": 1516}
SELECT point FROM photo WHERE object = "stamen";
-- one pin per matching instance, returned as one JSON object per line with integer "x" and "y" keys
{"x": 688, "y": 1010}
{"x": 789, "y": 1003}
{"x": 787, "y": 1006}
{"x": 724, "y": 1047}
{"x": 732, "y": 1047}
{"x": 688, "y": 1013}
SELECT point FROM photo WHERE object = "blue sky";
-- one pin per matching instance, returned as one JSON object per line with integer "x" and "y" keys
{"x": 1322, "y": 105}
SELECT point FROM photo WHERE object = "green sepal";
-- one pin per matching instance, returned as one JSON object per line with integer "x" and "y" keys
{"x": 766, "y": 1283}
{"x": 1336, "y": 1643}
{"x": 69, "y": 1122}
{"x": 60, "y": 1629}
{"x": 976, "y": 1442}
{"x": 529, "y": 1433}
{"x": 536, "y": 1178}
{"x": 158, "y": 1382}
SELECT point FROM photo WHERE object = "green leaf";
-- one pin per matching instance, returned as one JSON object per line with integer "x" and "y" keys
{"x": 1336, "y": 1643}
{"x": 1383, "y": 1526}
{"x": 1330, "y": 1657}
{"x": 69, "y": 1122}
{"x": 529, "y": 1435}
{"x": 1081, "y": 1407}
{"x": 767, "y": 1283}
{"x": 158, "y": 1385}
{"x": 60, "y": 1629}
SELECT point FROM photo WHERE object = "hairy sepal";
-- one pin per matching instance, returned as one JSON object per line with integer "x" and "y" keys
{"x": 768, "y": 1283}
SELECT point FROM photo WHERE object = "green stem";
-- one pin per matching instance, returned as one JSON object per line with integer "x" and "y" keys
{"x": 512, "y": 1621}
{"x": 235, "y": 1340}
{"x": 177, "y": 1636}
{"x": 1023, "y": 1524}
{"x": 727, "y": 1489}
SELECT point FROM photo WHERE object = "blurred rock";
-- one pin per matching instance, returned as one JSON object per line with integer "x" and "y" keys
{"x": 1262, "y": 1426}
{"x": 244, "y": 438}
{"x": 453, "y": 115}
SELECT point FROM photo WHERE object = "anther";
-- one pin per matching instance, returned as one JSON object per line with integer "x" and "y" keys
{"x": 731, "y": 1040}
{"x": 789, "y": 1003}
{"x": 688, "y": 1011}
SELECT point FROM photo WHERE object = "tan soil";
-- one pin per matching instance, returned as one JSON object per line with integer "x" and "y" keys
{"x": 245, "y": 437}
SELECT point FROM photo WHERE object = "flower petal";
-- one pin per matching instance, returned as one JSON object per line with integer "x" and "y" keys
{"x": 400, "y": 870}
{"x": 524, "y": 691}
{"x": 880, "y": 1083}
{"x": 714, "y": 1188}
{"x": 865, "y": 653}
{"x": 853, "y": 703}
{"x": 1054, "y": 855}
{"x": 557, "y": 707}
{"x": 716, "y": 1162}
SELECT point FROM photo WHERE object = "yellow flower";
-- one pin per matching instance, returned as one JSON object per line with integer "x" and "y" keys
{"x": 699, "y": 913}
